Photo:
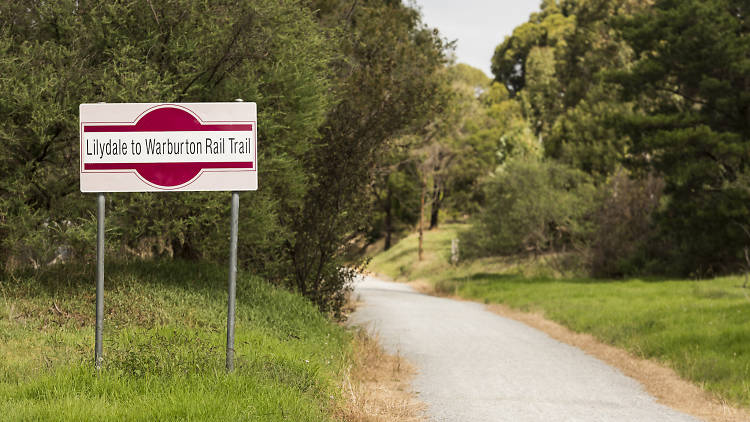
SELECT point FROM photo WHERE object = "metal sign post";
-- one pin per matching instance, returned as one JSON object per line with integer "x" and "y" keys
{"x": 232, "y": 280}
{"x": 99, "y": 278}
{"x": 232, "y": 275}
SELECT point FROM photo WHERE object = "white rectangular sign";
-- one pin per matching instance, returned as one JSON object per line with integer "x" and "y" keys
{"x": 145, "y": 147}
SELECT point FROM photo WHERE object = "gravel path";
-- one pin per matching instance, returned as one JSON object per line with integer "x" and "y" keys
{"x": 474, "y": 365}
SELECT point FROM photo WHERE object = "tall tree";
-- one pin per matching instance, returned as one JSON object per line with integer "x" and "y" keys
{"x": 693, "y": 126}
{"x": 396, "y": 190}
{"x": 385, "y": 85}
{"x": 554, "y": 64}
{"x": 495, "y": 131}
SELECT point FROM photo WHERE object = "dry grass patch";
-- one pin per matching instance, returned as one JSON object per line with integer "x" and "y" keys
{"x": 377, "y": 385}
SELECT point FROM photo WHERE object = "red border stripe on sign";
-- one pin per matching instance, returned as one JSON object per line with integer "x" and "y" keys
{"x": 167, "y": 119}
{"x": 204, "y": 165}
{"x": 132, "y": 128}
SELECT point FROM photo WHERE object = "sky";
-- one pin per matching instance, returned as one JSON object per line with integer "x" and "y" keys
{"x": 478, "y": 25}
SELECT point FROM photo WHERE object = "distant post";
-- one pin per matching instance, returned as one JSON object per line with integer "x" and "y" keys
{"x": 454, "y": 252}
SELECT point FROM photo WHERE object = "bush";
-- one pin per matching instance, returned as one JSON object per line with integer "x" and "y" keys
{"x": 532, "y": 207}
{"x": 624, "y": 225}
{"x": 56, "y": 55}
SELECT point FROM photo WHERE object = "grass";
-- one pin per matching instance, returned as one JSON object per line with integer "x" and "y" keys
{"x": 699, "y": 328}
{"x": 164, "y": 348}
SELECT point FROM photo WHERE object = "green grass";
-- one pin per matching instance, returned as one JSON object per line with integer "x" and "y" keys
{"x": 164, "y": 348}
{"x": 699, "y": 328}
{"x": 400, "y": 262}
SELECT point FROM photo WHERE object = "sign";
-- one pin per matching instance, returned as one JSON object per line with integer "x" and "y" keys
{"x": 140, "y": 147}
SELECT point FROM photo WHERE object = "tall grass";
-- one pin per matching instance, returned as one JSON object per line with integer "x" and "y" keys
{"x": 164, "y": 347}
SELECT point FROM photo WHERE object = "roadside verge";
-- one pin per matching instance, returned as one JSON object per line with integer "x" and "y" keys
{"x": 377, "y": 386}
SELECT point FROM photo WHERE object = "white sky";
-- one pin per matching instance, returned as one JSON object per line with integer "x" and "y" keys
{"x": 478, "y": 25}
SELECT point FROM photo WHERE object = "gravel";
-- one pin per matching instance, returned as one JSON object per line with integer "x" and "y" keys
{"x": 474, "y": 365}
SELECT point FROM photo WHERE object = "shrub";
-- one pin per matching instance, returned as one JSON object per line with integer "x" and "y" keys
{"x": 532, "y": 207}
{"x": 56, "y": 55}
{"x": 624, "y": 224}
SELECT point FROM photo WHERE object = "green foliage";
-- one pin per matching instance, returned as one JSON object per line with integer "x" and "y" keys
{"x": 660, "y": 87}
{"x": 692, "y": 70}
{"x": 546, "y": 28}
{"x": 56, "y": 55}
{"x": 493, "y": 133}
{"x": 586, "y": 138}
{"x": 620, "y": 244}
{"x": 385, "y": 85}
{"x": 451, "y": 158}
{"x": 531, "y": 206}
{"x": 541, "y": 96}
{"x": 479, "y": 127}
{"x": 164, "y": 347}
{"x": 333, "y": 84}
{"x": 396, "y": 196}
{"x": 553, "y": 66}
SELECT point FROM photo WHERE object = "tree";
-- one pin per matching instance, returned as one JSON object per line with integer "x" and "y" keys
{"x": 692, "y": 126}
{"x": 554, "y": 66}
{"x": 479, "y": 127}
{"x": 395, "y": 190}
{"x": 532, "y": 206}
{"x": 582, "y": 134}
{"x": 496, "y": 132}
{"x": 384, "y": 85}
{"x": 448, "y": 146}
{"x": 546, "y": 28}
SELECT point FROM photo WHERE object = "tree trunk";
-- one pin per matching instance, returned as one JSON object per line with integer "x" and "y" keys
{"x": 388, "y": 218}
{"x": 436, "y": 202}
{"x": 421, "y": 218}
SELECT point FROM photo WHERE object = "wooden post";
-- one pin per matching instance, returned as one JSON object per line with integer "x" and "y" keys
{"x": 454, "y": 251}
{"x": 421, "y": 219}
